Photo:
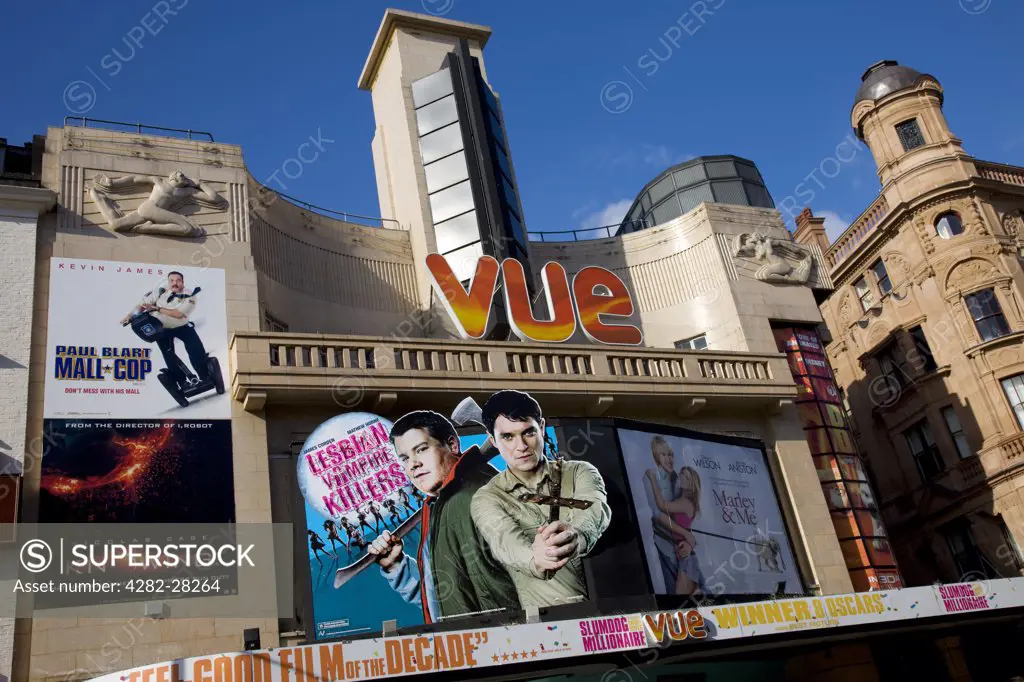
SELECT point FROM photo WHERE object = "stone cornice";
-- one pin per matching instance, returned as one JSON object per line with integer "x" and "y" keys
{"x": 891, "y": 225}
{"x": 394, "y": 19}
{"x": 1011, "y": 339}
{"x": 22, "y": 199}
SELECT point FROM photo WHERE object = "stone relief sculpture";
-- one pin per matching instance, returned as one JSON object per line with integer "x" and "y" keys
{"x": 968, "y": 272}
{"x": 773, "y": 253}
{"x": 1013, "y": 225}
{"x": 900, "y": 264}
{"x": 155, "y": 215}
{"x": 846, "y": 314}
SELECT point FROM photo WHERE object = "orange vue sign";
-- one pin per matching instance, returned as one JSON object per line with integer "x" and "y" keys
{"x": 595, "y": 298}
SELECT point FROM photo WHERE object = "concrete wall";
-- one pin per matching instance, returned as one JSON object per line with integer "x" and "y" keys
{"x": 686, "y": 282}
{"x": 17, "y": 274}
{"x": 409, "y": 55}
{"x": 48, "y": 647}
{"x": 318, "y": 274}
{"x": 20, "y": 208}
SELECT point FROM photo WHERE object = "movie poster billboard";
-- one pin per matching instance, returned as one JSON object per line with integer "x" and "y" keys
{"x": 136, "y": 419}
{"x": 415, "y": 522}
{"x": 862, "y": 535}
{"x": 354, "y": 489}
{"x": 708, "y": 514}
{"x": 134, "y": 471}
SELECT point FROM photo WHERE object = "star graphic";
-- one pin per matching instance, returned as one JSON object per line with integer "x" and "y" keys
{"x": 534, "y": 653}
{"x": 515, "y": 655}
{"x": 522, "y": 654}
{"x": 494, "y": 658}
{"x": 504, "y": 657}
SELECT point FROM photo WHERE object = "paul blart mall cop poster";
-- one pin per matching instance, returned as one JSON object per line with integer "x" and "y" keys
{"x": 136, "y": 420}
{"x": 495, "y": 509}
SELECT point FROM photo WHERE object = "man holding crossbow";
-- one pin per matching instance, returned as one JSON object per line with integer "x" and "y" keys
{"x": 540, "y": 516}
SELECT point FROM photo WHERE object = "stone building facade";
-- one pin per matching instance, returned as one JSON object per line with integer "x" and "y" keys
{"x": 926, "y": 324}
{"x": 328, "y": 315}
{"x": 315, "y": 302}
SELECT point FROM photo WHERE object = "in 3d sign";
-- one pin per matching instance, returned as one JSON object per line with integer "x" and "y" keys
{"x": 595, "y": 297}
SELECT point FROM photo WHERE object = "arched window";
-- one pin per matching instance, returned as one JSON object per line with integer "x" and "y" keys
{"x": 949, "y": 225}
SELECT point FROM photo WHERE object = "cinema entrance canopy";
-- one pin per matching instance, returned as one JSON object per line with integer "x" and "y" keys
{"x": 957, "y": 632}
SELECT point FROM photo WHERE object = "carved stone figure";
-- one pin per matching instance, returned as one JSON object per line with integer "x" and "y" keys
{"x": 978, "y": 220}
{"x": 846, "y": 315}
{"x": 156, "y": 215}
{"x": 773, "y": 253}
{"x": 1012, "y": 224}
{"x": 968, "y": 272}
{"x": 924, "y": 233}
{"x": 899, "y": 263}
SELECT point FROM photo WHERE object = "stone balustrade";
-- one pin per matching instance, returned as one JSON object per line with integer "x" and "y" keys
{"x": 987, "y": 465}
{"x": 996, "y": 460}
{"x": 1011, "y": 175}
{"x": 864, "y": 225}
{"x": 1012, "y": 449}
{"x": 281, "y": 367}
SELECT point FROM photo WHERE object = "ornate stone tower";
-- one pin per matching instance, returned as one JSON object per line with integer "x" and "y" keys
{"x": 927, "y": 322}
{"x": 898, "y": 113}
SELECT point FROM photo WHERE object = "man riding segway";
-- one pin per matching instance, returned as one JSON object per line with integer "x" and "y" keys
{"x": 161, "y": 317}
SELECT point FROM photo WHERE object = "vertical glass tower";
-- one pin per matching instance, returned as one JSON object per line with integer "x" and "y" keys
{"x": 474, "y": 203}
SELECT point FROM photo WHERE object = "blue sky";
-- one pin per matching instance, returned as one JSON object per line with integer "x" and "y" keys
{"x": 772, "y": 82}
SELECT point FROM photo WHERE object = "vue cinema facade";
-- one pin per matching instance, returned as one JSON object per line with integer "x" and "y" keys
{"x": 687, "y": 411}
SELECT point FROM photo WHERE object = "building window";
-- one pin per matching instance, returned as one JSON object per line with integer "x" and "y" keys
{"x": 844, "y": 400}
{"x": 273, "y": 324}
{"x": 1009, "y": 552}
{"x": 922, "y": 351}
{"x": 969, "y": 561}
{"x": 893, "y": 364}
{"x": 957, "y": 432}
{"x": 949, "y": 225}
{"x": 882, "y": 277}
{"x": 922, "y": 447}
{"x": 987, "y": 315}
{"x": 864, "y": 293}
{"x": 910, "y": 134}
{"x": 695, "y": 343}
{"x": 1013, "y": 387}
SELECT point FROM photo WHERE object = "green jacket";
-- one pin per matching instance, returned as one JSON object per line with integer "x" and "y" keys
{"x": 468, "y": 579}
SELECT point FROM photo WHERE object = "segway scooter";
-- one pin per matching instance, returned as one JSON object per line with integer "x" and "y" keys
{"x": 150, "y": 329}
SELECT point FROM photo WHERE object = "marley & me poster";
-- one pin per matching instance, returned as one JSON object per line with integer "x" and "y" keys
{"x": 708, "y": 514}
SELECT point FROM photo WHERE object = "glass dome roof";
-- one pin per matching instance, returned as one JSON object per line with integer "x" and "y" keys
{"x": 683, "y": 187}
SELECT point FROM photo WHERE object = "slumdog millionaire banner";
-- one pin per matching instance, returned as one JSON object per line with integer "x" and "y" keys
{"x": 401, "y": 656}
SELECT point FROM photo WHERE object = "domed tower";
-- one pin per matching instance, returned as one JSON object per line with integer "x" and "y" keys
{"x": 898, "y": 113}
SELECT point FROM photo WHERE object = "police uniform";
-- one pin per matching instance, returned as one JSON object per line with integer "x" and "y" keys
{"x": 177, "y": 328}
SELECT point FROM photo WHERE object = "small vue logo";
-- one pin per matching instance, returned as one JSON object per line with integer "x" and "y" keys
{"x": 964, "y": 597}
